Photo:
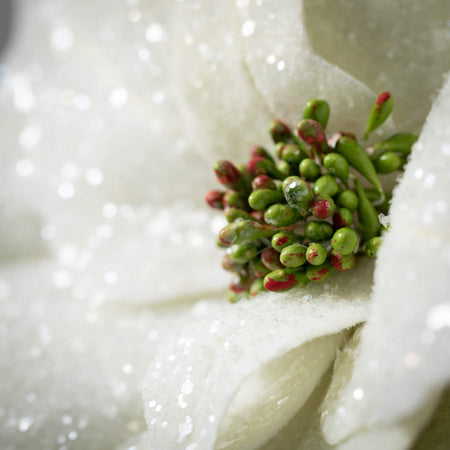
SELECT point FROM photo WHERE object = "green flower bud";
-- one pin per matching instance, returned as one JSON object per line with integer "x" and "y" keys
{"x": 369, "y": 225}
{"x": 283, "y": 239}
{"x": 293, "y": 255}
{"x": 342, "y": 217}
{"x": 262, "y": 166}
{"x": 292, "y": 154}
{"x": 243, "y": 253}
{"x": 320, "y": 272}
{"x": 309, "y": 169}
{"x": 232, "y": 214}
{"x": 345, "y": 241}
{"x": 281, "y": 215}
{"x": 260, "y": 151}
{"x": 348, "y": 199}
{"x": 313, "y": 134}
{"x": 263, "y": 182}
{"x": 387, "y": 162}
{"x": 372, "y": 246}
{"x": 400, "y": 143}
{"x": 297, "y": 193}
{"x": 284, "y": 168}
{"x": 233, "y": 297}
{"x": 257, "y": 269}
{"x": 381, "y": 110}
{"x": 280, "y": 132}
{"x": 326, "y": 185}
{"x": 316, "y": 254}
{"x": 230, "y": 265}
{"x": 229, "y": 175}
{"x": 357, "y": 157}
{"x": 215, "y": 199}
{"x": 271, "y": 259}
{"x": 336, "y": 165}
{"x": 235, "y": 200}
{"x": 343, "y": 263}
{"x": 262, "y": 198}
{"x": 257, "y": 287}
{"x": 322, "y": 206}
{"x": 243, "y": 231}
{"x": 318, "y": 231}
{"x": 318, "y": 110}
{"x": 284, "y": 279}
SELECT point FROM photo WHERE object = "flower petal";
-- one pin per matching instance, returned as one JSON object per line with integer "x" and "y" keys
{"x": 404, "y": 360}
{"x": 196, "y": 377}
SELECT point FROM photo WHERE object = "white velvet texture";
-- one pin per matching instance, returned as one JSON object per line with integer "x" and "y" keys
{"x": 115, "y": 331}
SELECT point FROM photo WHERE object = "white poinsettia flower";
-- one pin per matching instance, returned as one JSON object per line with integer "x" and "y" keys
{"x": 110, "y": 279}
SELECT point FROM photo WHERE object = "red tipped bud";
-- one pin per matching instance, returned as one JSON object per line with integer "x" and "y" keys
{"x": 228, "y": 175}
{"x": 260, "y": 151}
{"x": 280, "y": 132}
{"x": 313, "y": 134}
{"x": 215, "y": 199}
{"x": 263, "y": 182}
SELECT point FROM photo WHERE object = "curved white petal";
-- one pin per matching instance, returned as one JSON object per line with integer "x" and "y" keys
{"x": 192, "y": 382}
{"x": 404, "y": 358}
{"x": 71, "y": 370}
{"x": 394, "y": 46}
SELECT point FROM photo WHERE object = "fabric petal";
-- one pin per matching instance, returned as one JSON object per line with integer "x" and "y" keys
{"x": 404, "y": 357}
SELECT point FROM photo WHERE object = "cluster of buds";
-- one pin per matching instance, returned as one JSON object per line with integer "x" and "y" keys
{"x": 295, "y": 219}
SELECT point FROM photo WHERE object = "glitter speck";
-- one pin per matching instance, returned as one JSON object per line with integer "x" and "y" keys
{"x": 242, "y": 3}
{"x": 110, "y": 278}
{"x": 187, "y": 387}
{"x": 144, "y": 54}
{"x": 281, "y": 65}
{"x": 134, "y": 15}
{"x": 30, "y": 136}
{"x": 271, "y": 59}
{"x": 158, "y": 96}
{"x": 25, "y": 424}
{"x": 48, "y": 232}
{"x": 127, "y": 368}
{"x": 62, "y": 279}
{"x": 358, "y": 394}
{"x": 66, "y": 419}
{"x": 154, "y": 33}
{"x": 94, "y": 177}
{"x": 429, "y": 181}
{"x": 411, "y": 360}
{"x": 62, "y": 39}
{"x": 72, "y": 435}
{"x": 248, "y": 28}
{"x": 66, "y": 191}
{"x": 439, "y": 317}
{"x": 109, "y": 210}
{"x": 185, "y": 427}
{"x": 82, "y": 102}
{"x": 24, "y": 167}
{"x": 118, "y": 97}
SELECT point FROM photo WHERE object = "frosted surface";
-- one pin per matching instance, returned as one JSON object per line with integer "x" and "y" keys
{"x": 397, "y": 46}
{"x": 72, "y": 371}
{"x": 416, "y": 319}
{"x": 110, "y": 117}
{"x": 210, "y": 360}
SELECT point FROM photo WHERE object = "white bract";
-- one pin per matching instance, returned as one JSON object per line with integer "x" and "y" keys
{"x": 111, "y": 115}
